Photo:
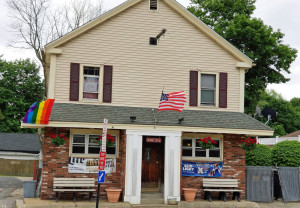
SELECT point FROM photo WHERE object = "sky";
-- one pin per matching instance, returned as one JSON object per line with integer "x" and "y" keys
{"x": 280, "y": 14}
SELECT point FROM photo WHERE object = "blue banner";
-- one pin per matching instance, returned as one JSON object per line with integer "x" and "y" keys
{"x": 212, "y": 169}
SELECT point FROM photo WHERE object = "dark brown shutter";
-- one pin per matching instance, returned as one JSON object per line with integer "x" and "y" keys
{"x": 193, "y": 88}
{"x": 223, "y": 90}
{"x": 74, "y": 81}
{"x": 107, "y": 84}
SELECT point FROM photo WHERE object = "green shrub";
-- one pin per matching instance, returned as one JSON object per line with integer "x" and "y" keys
{"x": 260, "y": 156}
{"x": 286, "y": 154}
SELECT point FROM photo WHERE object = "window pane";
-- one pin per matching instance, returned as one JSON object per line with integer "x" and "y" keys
{"x": 217, "y": 146}
{"x": 91, "y": 71}
{"x": 94, "y": 149}
{"x": 187, "y": 152}
{"x": 208, "y": 96}
{"x": 187, "y": 143}
{"x": 78, "y": 149}
{"x": 214, "y": 153}
{"x": 200, "y": 153}
{"x": 77, "y": 138}
{"x": 93, "y": 139}
{"x": 111, "y": 150}
{"x": 90, "y": 84}
{"x": 208, "y": 81}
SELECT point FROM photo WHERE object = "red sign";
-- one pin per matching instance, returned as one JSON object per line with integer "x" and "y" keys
{"x": 153, "y": 140}
{"x": 102, "y": 158}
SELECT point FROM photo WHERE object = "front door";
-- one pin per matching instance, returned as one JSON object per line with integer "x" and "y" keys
{"x": 152, "y": 163}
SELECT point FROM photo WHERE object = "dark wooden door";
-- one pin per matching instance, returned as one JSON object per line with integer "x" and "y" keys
{"x": 151, "y": 163}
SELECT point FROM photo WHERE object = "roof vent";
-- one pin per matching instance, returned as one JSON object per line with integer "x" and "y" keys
{"x": 153, "y": 4}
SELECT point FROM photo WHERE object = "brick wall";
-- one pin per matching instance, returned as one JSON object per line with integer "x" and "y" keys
{"x": 233, "y": 167}
{"x": 55, "y": 164}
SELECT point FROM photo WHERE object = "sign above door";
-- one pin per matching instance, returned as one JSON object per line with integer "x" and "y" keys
{"x": 153, "y": 140}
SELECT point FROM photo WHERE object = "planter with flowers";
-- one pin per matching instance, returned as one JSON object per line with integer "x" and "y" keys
{"x": 206, "y": 143}
{"x": 110, "y": 141}
{"x": 248, "y": 143}
{"x": 57, "y": 140}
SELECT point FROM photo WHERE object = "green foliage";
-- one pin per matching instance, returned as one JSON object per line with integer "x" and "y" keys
{"x": 260, "y": 156}
{"x": 232, "y": 20}
{"x": 57, "y": 140}
{"x": 286, "y": 154}
{"x": 20, "y": 87}
{"x": 288, "y": 118}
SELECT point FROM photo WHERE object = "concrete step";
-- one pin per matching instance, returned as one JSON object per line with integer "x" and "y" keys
{"x": 153, "y": 205}
{"x": 152, "y": 198}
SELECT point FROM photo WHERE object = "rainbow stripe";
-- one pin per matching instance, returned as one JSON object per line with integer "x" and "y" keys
{"x": 39, "y": 112}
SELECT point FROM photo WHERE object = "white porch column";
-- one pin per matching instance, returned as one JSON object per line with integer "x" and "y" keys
{"x": 134, "y": 142}
{"x": 172, "y": 166}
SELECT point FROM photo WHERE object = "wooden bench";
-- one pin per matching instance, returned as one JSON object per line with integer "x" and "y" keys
{"x": 222, "y": 186}
{"x": 74, "y": 185}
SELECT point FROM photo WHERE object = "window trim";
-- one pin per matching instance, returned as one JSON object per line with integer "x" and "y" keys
{"x": 216, "y": 92}
{"x": 196, "y": 136}
{"x": 115, "y": 133}
{"x": 81, "y": 78}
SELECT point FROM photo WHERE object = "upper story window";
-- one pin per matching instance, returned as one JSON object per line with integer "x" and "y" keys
{"x": 83, "y": 144}
{"x": 191, "y": 151}
{"x": 153, "y": 5}
{"x": 208, "y": 89}
{"x": 91, "y": 82}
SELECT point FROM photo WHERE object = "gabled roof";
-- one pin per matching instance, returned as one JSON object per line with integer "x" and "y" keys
{"x": 50, "y": 48}
{"x": 19, "y": 142}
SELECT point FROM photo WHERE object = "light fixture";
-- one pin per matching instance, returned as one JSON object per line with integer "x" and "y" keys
{"x": 180, "y": 120}
{"x": 132, "y": 118}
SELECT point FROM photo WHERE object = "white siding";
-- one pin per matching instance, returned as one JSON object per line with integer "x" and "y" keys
{"x": 140, "y": 70}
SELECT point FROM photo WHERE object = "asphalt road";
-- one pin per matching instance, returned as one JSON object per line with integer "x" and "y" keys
{"x": 11, "y": 188}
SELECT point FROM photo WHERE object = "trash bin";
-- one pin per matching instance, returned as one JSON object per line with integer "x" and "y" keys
{"x": 29, "y": 189}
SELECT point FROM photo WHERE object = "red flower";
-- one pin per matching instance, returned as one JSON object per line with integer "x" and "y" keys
{"x": 61, "y": 135}
{"x": 53, "y": 136}
{"x": 65, "y": 138}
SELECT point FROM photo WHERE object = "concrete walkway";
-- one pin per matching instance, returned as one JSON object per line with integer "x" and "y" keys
{"x": 37, "y": 203}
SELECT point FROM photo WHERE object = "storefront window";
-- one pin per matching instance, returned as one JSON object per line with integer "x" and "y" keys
{"x": 86, "y": 144}
{"x": 190, "y": 150}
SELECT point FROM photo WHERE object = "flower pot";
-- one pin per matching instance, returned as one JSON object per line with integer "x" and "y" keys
{"x": 189, "y": 194}
{"x": 113, "y": 194}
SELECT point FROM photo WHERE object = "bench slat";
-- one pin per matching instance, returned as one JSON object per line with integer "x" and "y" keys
{"x": 224, "y": 190}
{"x": 76, "y": 179}
{"x": 74, "y": 190}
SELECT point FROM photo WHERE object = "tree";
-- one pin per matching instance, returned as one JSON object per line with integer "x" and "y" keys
{"x": 288, "y": 118}
{"x": 20, "y": 87}
{"x": 35, "y": 23}
{"x": 232, "y": 20}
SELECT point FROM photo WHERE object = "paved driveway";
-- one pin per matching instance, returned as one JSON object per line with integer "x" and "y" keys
{"x": 279, "y": 204}
{"x": 11, "y": 188}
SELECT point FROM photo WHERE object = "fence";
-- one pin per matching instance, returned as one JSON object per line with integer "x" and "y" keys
{"x": 16, "y": 167}
{"x": 272, "y": 141}
{"x": 260, "y": 183}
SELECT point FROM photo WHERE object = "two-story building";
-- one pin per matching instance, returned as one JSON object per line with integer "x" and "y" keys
{"x": 115, "y": 67}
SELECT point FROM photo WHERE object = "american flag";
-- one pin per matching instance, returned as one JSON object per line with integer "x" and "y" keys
{"x": 172, "y": 101}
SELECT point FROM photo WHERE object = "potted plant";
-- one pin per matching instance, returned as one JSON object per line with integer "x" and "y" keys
{"x": 113, "y": 194}
{"x": 57, "y": 140}
{"x": 206, "y": 143}
{"x": 248, "y": 143}
{"x": 189, "y": 194}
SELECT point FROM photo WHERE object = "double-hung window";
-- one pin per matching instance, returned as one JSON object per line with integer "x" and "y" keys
{"x": 191, "y": 150}
{"x": 208, "y": 89}
{"x": 91, "y": 82}
{"x": 85, "y": 144}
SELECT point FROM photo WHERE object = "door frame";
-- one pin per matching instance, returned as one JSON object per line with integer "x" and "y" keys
{"x": 172, "y": 166}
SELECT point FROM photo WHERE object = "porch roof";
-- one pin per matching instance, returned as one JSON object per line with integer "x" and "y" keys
{"x": 85, "y": 113}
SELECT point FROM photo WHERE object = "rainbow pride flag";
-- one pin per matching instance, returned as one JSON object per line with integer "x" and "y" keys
{"x": 39, "y": 112}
